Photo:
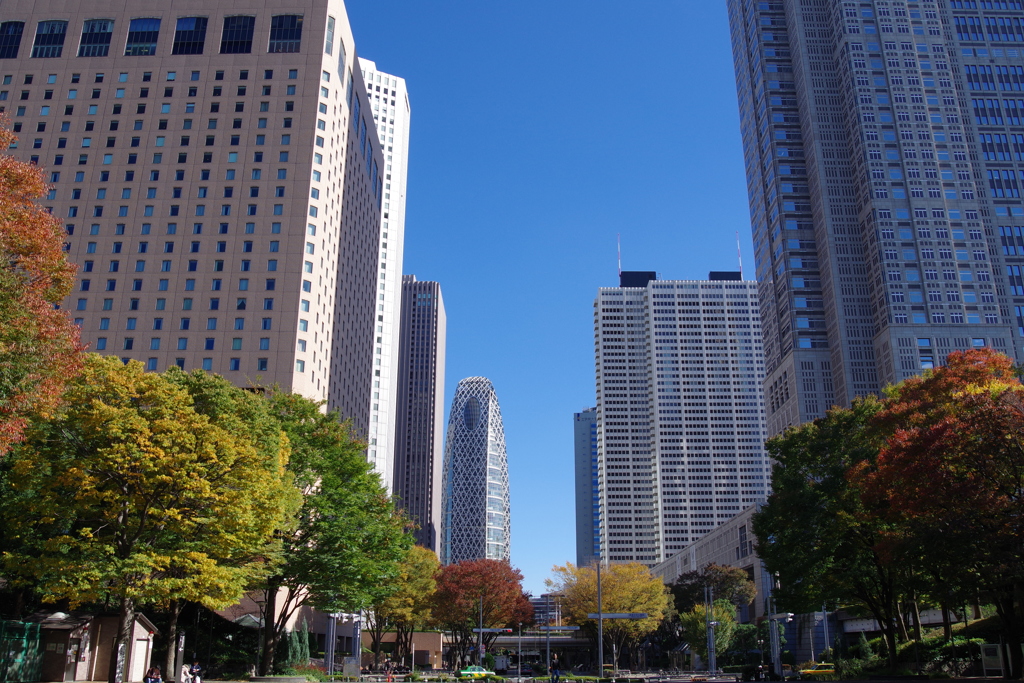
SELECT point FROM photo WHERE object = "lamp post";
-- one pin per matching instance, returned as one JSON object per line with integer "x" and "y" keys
{"x": 600, "y": 624}
{"x": 519, "y": 654}
{"x": 480, "y": 636}
{"x": 710, "y": 624}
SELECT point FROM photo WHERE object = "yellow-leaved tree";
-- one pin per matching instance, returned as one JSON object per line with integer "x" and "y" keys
{"x": 628, "y": 587}
{"x": 408, "y": 607}
{"x": 130, "y": 494}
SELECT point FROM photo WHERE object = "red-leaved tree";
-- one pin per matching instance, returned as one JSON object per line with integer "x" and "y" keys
{"x": 39, "y": 344}
{"x": 464, "y": 588}
{"x": 950, "y": 482}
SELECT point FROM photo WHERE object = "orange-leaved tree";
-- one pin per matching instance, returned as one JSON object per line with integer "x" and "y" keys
{"x": 949, "y": 480}
{"x": 469, "y": 589}
{"x": 39, "y": 344}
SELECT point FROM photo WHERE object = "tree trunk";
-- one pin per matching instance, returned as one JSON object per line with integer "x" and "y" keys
{"x": 917, "y": 620}
{"x": 172, "y": 641}
{"x": 901, "y": 623}
{"x": 269, "y": 630}
{"x": 122, "y": 641}
{"x": 947, "y": 627}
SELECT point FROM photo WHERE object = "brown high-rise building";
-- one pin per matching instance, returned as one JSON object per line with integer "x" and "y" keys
{"x": 221, "y": 180}
{"x": 420, "y": 407}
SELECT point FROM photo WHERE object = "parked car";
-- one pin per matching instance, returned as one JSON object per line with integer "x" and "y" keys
{"x": 475, "y": 672}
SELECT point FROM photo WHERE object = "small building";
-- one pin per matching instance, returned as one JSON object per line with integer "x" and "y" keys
{"x": 78, "y": 646}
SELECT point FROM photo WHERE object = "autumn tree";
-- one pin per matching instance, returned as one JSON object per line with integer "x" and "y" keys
{"x": 408, "y": 607}
{"x": 129, "y": 494}
{"x": 39, "y": 344}
{"x": 726, "y": 583}
{"x": 626, "y": 587}
{"x": 695, "y": 626}
{"x": 344, "y": 552}
{"x": 949, "y": 480}
{"x": 469, "y": 589}
{"x": 814, "y": 533}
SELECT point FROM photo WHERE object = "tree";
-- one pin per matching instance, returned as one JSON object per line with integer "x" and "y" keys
{"x": 343, "y": 553}
{"x": 129, "y": 494}
{"x": 627, "y": 587}
{"x": 727, "y": 583}
{"x": 695, "y": 627}
{"x": 408, "y": 607}
{"x": 949, "y": 481}
{"x": 39, "y": 344}
{"x": 469, "y": 589}
{"x": 814, "y": 533}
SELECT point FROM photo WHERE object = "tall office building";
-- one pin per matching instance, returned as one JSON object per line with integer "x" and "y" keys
{"x": 389, "y": 100}
{"x": 680, "y": 411}
{"x": 884, "y": 169}
{"x": 219, "y": 179}
{"x": 474, "y": 488}
{"x": 588, "y": 501}
{"x": 419, "y": 407}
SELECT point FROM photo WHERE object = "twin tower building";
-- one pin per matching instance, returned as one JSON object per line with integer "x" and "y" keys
{"x": 233, "y": 183}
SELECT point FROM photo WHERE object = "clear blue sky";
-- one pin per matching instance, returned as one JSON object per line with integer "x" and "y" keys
{"x": 540, "y": 130}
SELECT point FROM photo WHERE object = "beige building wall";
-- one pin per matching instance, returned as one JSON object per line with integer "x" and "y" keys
{"x": 224, "y": 208}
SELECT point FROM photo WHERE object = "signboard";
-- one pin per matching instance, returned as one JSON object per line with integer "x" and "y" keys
{"x": 618, "y": 615}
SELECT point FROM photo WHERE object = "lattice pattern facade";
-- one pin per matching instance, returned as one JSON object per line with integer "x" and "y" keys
{"x": 475, "y": 495}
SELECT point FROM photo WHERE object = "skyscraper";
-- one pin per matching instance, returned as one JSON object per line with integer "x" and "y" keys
{"x": 680, "y": 411}
{"x": 221, "y": 192}
{"x": 884, "y": 181}
{"x": 588, "y": 500}
{"x": 390, "y": 103}
{"x": 419, "y": 407}
{"x": 474, "y": 489}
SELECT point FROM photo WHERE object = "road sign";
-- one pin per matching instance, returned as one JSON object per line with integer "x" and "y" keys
{"x": 618, "y": 615}
{"x": 558, "y": 628}
{"x": 492, "y": 630}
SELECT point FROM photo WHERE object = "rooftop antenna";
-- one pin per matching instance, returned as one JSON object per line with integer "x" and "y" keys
{"x": 739, "y": 253}
{"x": 618, "y": 239}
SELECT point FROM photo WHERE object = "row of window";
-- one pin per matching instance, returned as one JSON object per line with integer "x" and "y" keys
{"x": 211, "y": 124}
{"x": 147, "y": 76}
{"x": 245, "y": 266}
{"x": 187, "y": 304}
{"x": 196, "y": 246}
{"x": 158, "y": 158}
{"x": 121, "y": 93}
{"x": 914, "y": 275}
{"x": 140, "y": 108}
{"x": 910, "y": 254}
{"x": 179, "y": 174}
{"x": 939, "y": 318}
{"x": 197, "y": 229}
{"x": 175, "y": 210}
{"x": 241, "y": 303}
{"x": 237, "y": 35}
{"x": 161, "y": 141}
{"x": 234, "y": 364}
{"x": 176, "y": 192}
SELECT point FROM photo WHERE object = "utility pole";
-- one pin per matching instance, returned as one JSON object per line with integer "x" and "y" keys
{"x": 480, "y": 636}
{"x": 600, "y": 624}
{"x": 519, "y": 654}
{"x": 548, "y": 636}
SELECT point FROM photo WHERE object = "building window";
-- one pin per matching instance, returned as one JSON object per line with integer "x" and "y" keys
{"x": 237, "y": 35}
{"x": 285, "y": 33}
{"x": 189, "y": 37}
{"x": 96, "y": 35}
{"x": 10, "y": 38}
{"x": 142, "y": 37}
{"x": 49, "y": 40}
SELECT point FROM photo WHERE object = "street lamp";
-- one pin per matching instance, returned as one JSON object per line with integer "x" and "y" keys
{"x": 519, "y": 654}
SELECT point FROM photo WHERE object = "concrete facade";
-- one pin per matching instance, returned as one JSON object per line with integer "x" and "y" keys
{"x": 390, "y": 101}
{"x": 216, "y": 168}
{"x": 419, "y": 442}
{"x": 884, "y": 192}
{"x": 680, "y": 411}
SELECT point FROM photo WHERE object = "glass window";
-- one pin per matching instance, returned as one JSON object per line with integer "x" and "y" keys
{"x": 285, "y": 33}
{"x": 142, "y": 37}
{"x": 96, "y": 35}
{"x": 10, "y": 38}
{"x": 237, "y": 35}
{"x": 49, "y": 40}
{"x": 189, "y": 37}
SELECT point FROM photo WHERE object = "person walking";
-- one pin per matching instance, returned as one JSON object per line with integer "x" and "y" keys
{"x": 195, "y": 671}
{"x": 555, "y": 671}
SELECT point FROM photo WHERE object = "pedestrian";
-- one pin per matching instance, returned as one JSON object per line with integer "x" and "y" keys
{"x": 153, "y": 675}
{"x": 555, "y": 673}
{"x": 185, "y": 676}
{"x": 196, "y": 672}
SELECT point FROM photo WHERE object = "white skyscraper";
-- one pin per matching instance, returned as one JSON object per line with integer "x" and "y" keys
{"x": 389, "y": 101}
{"x": 681, "y": 418}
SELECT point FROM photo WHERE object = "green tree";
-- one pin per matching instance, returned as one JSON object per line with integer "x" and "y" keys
{"x": 408, "y": 607}
{"x": 344, "y": 551}
{"x": 626, "y": 587}
{"x": 128, "y": 494}
{"x": 727, "y": 583}
{"x": 814, "y": 533}
{"x": 39, "y": 345}
{"x": 694, "y": 624}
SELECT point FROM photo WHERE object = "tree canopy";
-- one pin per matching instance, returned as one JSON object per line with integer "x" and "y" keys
{"x": 626, "y": 587}
{"x": 130, "y": 494}
{"x": 408, "y": 608}
{"x": 39, "y": 344}
{"x": 727, "y": 583}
